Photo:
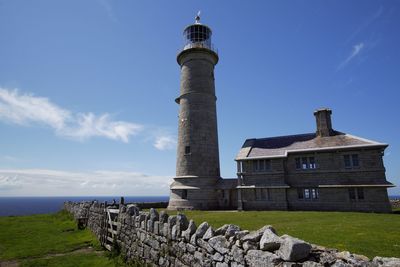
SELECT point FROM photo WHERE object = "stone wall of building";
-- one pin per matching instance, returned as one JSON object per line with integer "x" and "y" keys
{"x": 162, "y": 240}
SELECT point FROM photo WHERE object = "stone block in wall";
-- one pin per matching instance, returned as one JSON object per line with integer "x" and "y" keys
{"x": 190, "y": 248}
{"x": 153, "y": 215}
{"x": 156, "y": 228}
{"x": 165, "y": 230}
{"x": 249, "y": 245}
{"x": 218, "y": 257}
{"x": 193, "y": 240}
{"x": 311, "y": 264}
{"x": 205, "y": 245}
{"x": 258, "y": 258}
{"x": 231, "y": 230}
{"x": 293, "y": 249}
{"x": 255, "y": 236}
{"x": 174, "y": 232}
{"x": 237, "y": 254}
{"x": 182, "y": 222}
{"x": 219, "y": 243}
{"x": 191, "y": 229}
{"x": 208, "y": 234}
{"x": 150, "y": 225}
{"x": 389, "y": 262}
{"x": 163, "y": 217}
{"x": 235, "y": 264}
{"x": 270, "y": 241}
{"x": 132, "y": 209}
{"x": 201, "y": 230}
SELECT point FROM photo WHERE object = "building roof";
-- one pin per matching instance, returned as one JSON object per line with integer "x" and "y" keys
{"x": 280, "y": 146}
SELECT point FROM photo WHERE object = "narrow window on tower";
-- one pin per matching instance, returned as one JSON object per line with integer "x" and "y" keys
{"x": 184, "y": 194}
{"x": 187, "y": 150}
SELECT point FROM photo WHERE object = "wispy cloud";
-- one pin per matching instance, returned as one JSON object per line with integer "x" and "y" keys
{"x": 356, "y": 50}
{"x": 27, "y": 110}
{"x": 34, "y": 182}
{"x": 165, "y": 142}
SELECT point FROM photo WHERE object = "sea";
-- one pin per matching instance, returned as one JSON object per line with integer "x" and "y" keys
{"x": 18, "y": 206}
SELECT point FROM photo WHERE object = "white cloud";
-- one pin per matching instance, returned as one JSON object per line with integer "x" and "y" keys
{"x": 165, "y": 142}
{"x": 27, "y": 109}
{"x": 356, "y": 50}
{"x": 35, "y": 182}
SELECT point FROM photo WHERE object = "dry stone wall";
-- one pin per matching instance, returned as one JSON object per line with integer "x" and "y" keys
{"x": 158, "y": 239}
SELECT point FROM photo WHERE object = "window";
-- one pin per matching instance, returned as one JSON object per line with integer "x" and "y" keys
{"x": 360, "y": 193}
{"x": 262, "y": 194}
{"x": 300, "y": 193}
{"x": 261, "y": 165}
{"x": 351, "y": 161}
{"x": 356, "y": 193}
{"x": 354, "y": 159}
{"x": 305, "y": 163}
{"x": 184, "y": 194}
{"x": 187, "y": 150}
{"x": 308, "y": 193}
{"x": 298, "y": 164}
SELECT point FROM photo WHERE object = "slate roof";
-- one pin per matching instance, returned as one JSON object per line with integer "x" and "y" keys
{"x": 280, "y": 146}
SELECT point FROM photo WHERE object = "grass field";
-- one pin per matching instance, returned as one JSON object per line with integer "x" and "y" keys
{"x": 48, "y": 240}
{"x": 369, "y": 234}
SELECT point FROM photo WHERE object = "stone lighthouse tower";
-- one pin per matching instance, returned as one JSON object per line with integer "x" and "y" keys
{"x": 197, "y": 166}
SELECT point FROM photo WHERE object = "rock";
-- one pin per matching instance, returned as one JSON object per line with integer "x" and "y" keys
{"x": 256, "y": 235}
{"x": 293, "y": 249}
{"x": 205, "y": 245}
{"x": 208, "y": 234}
{"x": 163, "y": 217}
{"x": 190, "y": 248}
{"x": 132, "y": 209}
{"x": 353, "y": 259}
{"x": 258, "y": 258}
{"x": 270, "y": 241}
{"x": 218, "y": 257}
{"x": 387, "y": 262}
{"x": 153, "y": 215}
{"x": 221, "y": 264}
{"x": 235, "y": 264}
{"x": 191, "y": 229}
{"x": 156, "y": 228}
{"x": 172, "y": 221}
{"x": 174, "y": 232}
{"x": 193, "y": 240}
{"x": 249, "y": 245}
{"x": 238, "y": 254}
{"x": 232, "y": 230}
{"x": 219, "y": 244}
{"x": 182, "y": 222}
{"x": 221, "y": 230}
{"x": 312, "y": 264}
{"x": 201, "y": 230}
{"x": 341, "y": 263}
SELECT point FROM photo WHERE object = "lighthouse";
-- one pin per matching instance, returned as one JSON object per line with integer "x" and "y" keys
{"x": 197, "y": 165}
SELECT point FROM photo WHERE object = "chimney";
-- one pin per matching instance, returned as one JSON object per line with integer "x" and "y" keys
{"x": 324, "y": 123}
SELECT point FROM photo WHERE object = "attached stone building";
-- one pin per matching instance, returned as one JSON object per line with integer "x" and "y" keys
{"x": 325, "y": 170}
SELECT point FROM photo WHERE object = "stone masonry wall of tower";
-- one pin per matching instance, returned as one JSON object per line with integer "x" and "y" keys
{"x": 197, "y": 153}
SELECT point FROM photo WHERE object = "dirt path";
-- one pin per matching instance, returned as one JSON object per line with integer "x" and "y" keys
{"x": 87, "y": 250}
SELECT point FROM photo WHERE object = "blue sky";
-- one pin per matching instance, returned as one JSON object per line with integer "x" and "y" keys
{"x": 88, "y": 87}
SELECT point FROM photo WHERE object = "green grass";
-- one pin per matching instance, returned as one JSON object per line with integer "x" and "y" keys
{"x": 38, "y": 235}
{"x": 369, "y": 234}
{"x": 71, "y": 261}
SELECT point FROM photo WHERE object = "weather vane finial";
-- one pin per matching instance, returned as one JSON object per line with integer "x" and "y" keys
{"x": 198, "y": 18}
